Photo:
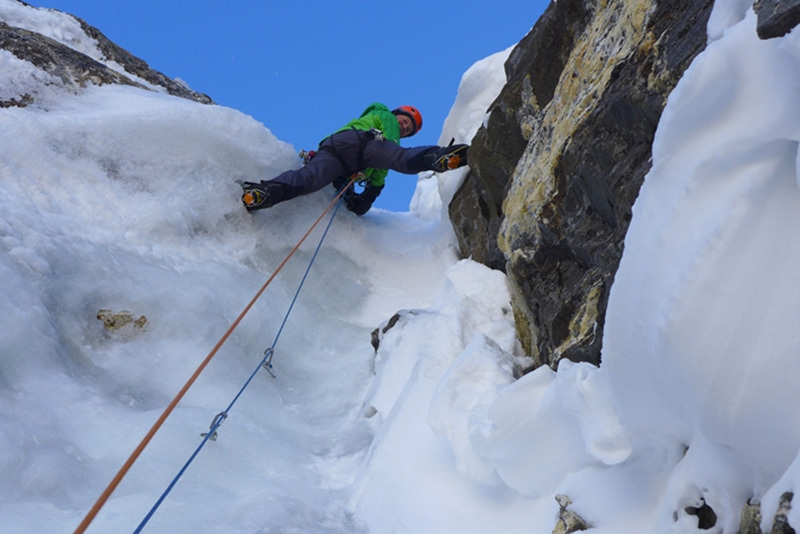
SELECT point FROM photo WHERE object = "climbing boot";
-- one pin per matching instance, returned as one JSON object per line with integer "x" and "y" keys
{"x": 265, "y": 194}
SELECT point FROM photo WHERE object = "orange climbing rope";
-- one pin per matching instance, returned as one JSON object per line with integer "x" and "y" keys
{"x": 101, "y": 501}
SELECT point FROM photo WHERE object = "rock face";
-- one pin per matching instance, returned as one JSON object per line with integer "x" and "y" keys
{"x": 138, "y": 67}
{"x": 532, "y": 72}
{"x": 559, "y": 163}
{"x": 776, "y": 18}
{"x": 751, "y": 518}
{"x": 76, "y": 69}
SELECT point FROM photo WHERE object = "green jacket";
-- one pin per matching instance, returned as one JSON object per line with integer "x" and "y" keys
{"x": 380, "y": 117}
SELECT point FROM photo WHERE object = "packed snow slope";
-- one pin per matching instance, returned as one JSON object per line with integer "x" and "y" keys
{"x": 121, "y": 199}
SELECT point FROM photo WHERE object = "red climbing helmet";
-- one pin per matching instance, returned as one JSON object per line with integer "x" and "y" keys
{"x": 412, "y": 113}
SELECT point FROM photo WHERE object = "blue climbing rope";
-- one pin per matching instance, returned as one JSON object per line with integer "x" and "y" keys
{"x": 265, "y": 363}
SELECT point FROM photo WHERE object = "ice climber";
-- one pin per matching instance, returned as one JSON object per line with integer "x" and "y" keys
{"x": 368, "y": 146}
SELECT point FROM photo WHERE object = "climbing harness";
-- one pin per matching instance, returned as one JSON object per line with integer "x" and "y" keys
{"x": 364, "y": 137}
{"x": 266, "y": 363}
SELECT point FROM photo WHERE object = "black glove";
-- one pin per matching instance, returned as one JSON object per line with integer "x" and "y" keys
{"x": 446, "y": 158}
{"x": 360, "y": 203}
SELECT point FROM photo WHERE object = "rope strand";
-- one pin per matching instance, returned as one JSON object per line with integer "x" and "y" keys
{"x": 101, "y": 501}
{"x": 219, "y": 418}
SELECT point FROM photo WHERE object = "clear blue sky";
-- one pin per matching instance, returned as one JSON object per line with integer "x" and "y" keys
{"x": 304, "y": 68}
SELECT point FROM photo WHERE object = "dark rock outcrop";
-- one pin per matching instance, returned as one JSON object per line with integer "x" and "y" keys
{"x": 70, "y": 66}
{"x": 751, "y": 517}
{"x": 706, "y": 516}
{"x": 780, "y": 525}
{"x": 776, "y": 18}
{"x": 137, "y": 67}
{"x": 585, "y": 91}
{"x": 75, "y": 69}
{"x": 568, "y": 521}
{"x": 532, "y": 72}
